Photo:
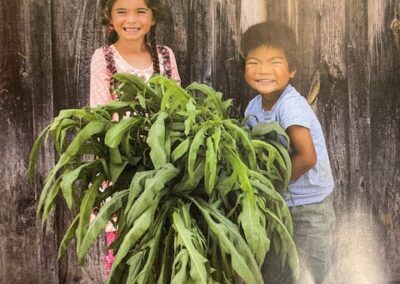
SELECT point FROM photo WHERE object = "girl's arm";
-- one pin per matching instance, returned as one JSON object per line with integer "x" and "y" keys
{"x": 304, "y": 156}
{"x": 99, "y": 80}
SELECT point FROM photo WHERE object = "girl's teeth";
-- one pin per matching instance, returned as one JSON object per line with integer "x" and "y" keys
{"x": 131, "y": 29}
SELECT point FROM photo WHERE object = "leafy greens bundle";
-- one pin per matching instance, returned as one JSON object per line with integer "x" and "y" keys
{"x": 198, "y": 198}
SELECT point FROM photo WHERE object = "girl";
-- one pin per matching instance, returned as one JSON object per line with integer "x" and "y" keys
{"x": 132, "y": 49}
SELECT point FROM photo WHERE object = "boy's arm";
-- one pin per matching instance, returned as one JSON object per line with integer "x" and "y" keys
{"x": 304, "y": 156}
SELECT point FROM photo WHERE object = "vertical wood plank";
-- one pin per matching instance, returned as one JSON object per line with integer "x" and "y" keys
{"x": 280, "y": 10}
{"x": 26, "y": 106}
{"x": 201, "y": 37}
{"x": 359, "y": 102}
{"x": 384, "y": 88}
{"x": 76, "y": 32}
{"x": 173, "y": 31}
{"x": 333, "y": 96}
{"x": 204, "y": 37}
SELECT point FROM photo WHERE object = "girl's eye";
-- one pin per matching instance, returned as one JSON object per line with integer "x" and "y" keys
{"x": 142, "y": 11}
{"x": 121, "y": 12}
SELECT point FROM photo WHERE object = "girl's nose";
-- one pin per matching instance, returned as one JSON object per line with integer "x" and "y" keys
{"x": 131, "y": 17}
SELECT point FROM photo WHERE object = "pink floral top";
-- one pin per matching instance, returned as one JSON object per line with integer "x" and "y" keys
{"x": 100, "y": 74}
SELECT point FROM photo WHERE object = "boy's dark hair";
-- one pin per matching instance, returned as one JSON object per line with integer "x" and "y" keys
{"x": 271, "y": 34}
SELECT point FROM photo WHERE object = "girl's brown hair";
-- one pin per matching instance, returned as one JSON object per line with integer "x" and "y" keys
{"x": 157, "y": 9}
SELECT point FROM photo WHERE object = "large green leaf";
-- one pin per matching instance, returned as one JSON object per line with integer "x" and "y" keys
{"x": 86, "y": 209}
{"x": 100, "y": 221}
{"x": 156, "y": 141}
{"x": 119, "y": 130}
{"x": 69, "y": 178}
{"x": 210, "y": 173}
{"x": 231, "y": 242}
{"x": 151, "y": 193}
{"x": 35, "y": 149}
{"x": 198, "y": 271}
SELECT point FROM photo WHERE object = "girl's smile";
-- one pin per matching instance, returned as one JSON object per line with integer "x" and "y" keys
{"x": 131, "y": 19}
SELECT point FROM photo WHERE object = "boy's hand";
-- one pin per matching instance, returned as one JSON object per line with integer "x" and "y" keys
{"x": 304, "y": 156}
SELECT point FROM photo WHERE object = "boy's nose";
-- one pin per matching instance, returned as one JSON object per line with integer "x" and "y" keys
{"x": 265, "y": 68}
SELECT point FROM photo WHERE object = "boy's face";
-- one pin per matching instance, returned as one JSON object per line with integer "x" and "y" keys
{"x": 267, "y": 71}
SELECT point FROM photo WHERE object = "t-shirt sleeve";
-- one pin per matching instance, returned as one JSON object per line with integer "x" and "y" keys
{"x": 174, "y": 67}
{"x": 249, "y": 114}
{"x": 99, "y": 80}
{"x": 295, "y": 111}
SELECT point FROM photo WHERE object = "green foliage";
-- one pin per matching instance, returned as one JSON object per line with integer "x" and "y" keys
{"x": 198, "y": 199}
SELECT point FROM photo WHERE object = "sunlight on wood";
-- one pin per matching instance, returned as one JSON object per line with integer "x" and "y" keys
{"x": 252, "y": 12}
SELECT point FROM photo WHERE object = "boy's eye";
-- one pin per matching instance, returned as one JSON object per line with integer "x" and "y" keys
{"x": 276, "y": 62}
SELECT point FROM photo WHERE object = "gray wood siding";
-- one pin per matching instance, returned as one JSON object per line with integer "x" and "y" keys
{"x": 46, "y": 47}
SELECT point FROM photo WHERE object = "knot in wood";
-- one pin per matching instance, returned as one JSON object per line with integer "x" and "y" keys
{"x": 395, "y": 26}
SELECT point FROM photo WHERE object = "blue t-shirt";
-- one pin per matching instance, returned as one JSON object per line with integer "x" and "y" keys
{"x": 292, "y": 109}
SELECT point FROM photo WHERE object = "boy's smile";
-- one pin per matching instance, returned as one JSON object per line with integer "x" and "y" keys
{"x": 267, "y": 71}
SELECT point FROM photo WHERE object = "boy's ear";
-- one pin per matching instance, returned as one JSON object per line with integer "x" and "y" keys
{"x": 292, "y": 74}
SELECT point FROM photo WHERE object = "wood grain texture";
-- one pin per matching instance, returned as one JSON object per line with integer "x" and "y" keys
{"x": 46, "y": 48}
{"x": 359, "y": 102}
{"x": 384, "y": 88}
{"x": 350, "y": 43}
{"x": 76, "y": 32}
{"x": 333, "y": 99}
{"x": 26, "y": 106}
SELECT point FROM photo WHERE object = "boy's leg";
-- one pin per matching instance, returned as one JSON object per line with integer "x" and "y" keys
{"x": 272, "y": 271}
{"x": 312, "y": 227}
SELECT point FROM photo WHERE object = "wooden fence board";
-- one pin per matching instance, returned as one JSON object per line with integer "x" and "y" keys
{"x": 384, "y": 89}
{"x": 333, "y": 98}
{"x": 46, "y": 48}
{"x": 76, "y": 33}
{"x": 28, "y": 252}
{"x": 172, "y": 31}
{"x": 359, "y": 103}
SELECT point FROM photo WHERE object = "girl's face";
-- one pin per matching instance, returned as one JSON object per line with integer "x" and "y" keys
{"x": 131, "y": 19}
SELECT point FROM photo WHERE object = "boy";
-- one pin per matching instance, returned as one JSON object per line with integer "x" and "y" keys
{"x": 270, "y": 52}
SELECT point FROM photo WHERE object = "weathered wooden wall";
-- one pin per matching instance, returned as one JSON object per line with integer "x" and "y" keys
{"x": 45, "y": 49}
{"x": 352, "y": 45}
